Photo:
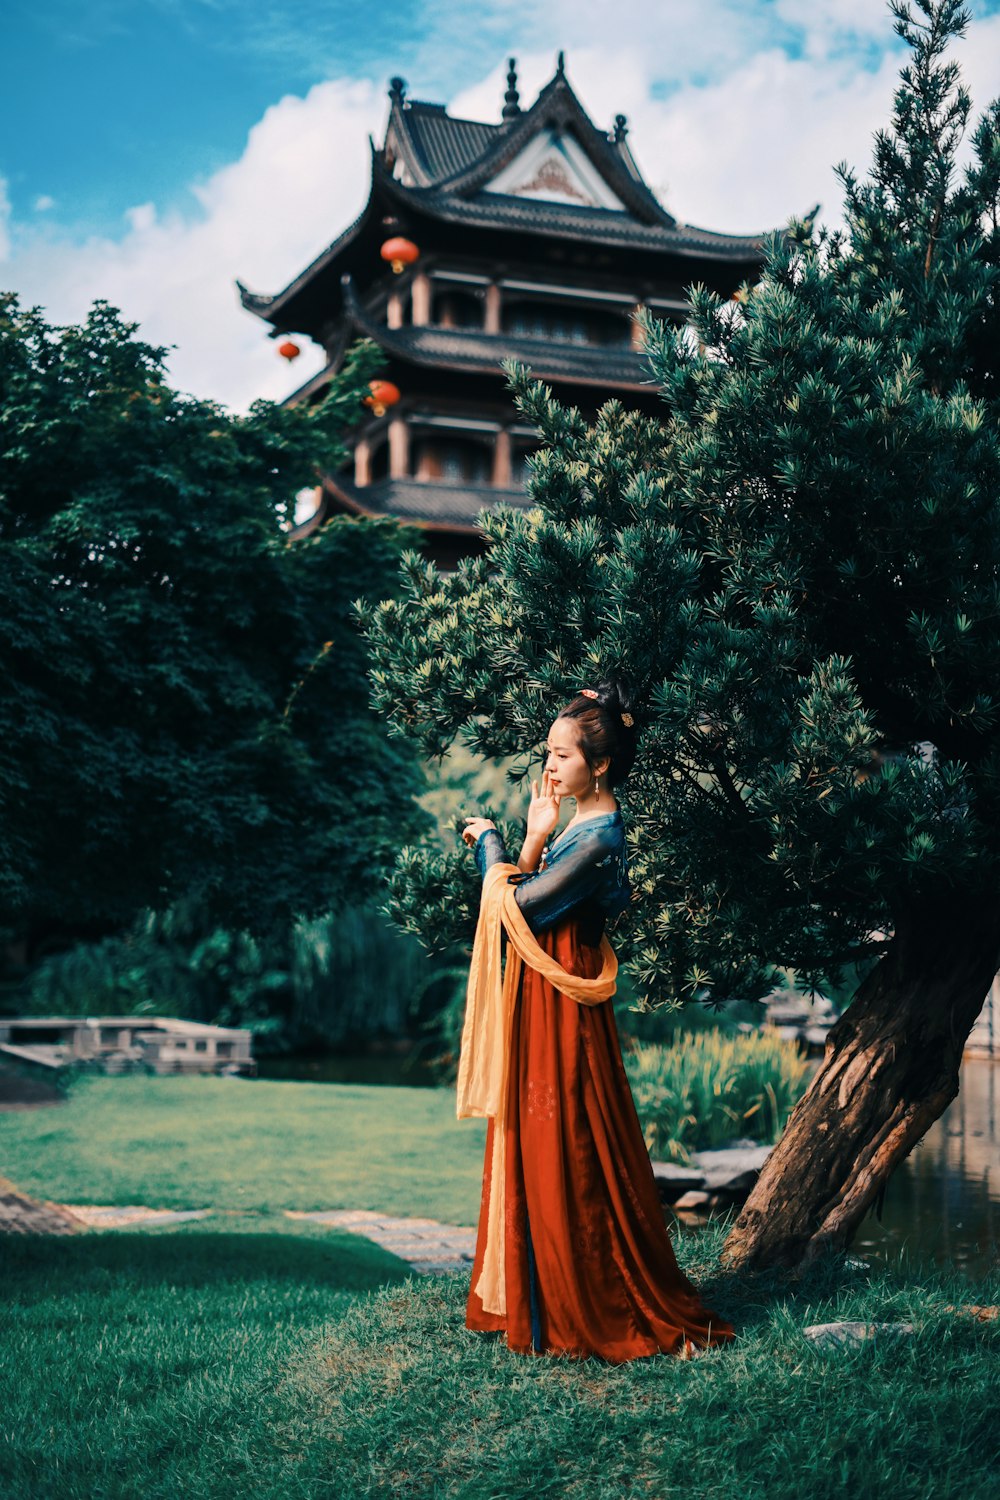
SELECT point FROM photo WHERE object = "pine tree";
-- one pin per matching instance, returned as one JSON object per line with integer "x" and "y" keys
{"x": 183, "y": 701}
{"x": 798, "y": 567}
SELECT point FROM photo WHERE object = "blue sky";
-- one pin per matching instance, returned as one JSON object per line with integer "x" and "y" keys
{"x": 152, "y": 151}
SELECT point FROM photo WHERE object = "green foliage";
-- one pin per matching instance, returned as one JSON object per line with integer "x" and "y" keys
{"x": 183, "y": 706}
{"x": 707, "y": 1088}
{"x": 797, "y": 567}
{"x": 341, "y": 977}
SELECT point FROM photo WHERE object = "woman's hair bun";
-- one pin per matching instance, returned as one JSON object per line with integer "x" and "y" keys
{"x": 614, "y": 695}
{"x": 606, "y": 722}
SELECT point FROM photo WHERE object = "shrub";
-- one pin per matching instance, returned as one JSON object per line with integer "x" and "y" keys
{"x": 707, "y": 1088}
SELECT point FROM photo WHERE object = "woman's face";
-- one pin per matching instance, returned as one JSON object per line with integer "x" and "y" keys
{"x": 569, "y": 773}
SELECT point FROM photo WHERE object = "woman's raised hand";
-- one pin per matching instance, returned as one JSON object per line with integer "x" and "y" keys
{"x": 543, "y": 809}
{"x": 474, "y": 827}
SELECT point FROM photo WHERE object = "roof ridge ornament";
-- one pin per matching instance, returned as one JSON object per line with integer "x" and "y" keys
{"x": 621, "y": 129}
{"x": 397, "y": 91}
{"x": 511, "y": 100}
{"x": 561, "y": 65}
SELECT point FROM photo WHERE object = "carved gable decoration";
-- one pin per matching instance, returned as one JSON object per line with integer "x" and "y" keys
{"x": 554, "y": 166}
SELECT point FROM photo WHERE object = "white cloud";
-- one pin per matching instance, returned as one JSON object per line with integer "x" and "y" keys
{"x": 755, "y": 136}
{"x": 43, "y": 203}
{"x": 740, "y": 154}
{"x": 301, "y": 179}
{"x": 141, "y": 218}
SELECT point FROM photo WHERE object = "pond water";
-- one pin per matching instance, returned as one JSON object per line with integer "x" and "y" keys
{"x": 391, "y": 1066}
{"x": 942, "y": 1204}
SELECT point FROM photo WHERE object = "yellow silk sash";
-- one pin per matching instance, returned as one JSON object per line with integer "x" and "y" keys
{"x": 485, "y": 1056}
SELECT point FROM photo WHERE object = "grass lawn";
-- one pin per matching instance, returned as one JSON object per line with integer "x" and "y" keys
{"x": 159, "y": 1363}
{"x": 248, "y": 1355}
{"x": 254, "y": 1359}
{"x": 249, "y": 1144}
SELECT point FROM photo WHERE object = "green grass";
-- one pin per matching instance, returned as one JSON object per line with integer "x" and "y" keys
{"x": 156, "y": 1363}
{"x": 250, "y": 1357}
{"x": 249, "y": 1144}
{"x": 286, "y": 1363}
{"x": 414, "y": 1406}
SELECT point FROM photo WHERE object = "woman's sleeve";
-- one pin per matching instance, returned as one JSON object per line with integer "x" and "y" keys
{"x": 548, "y": 894}
{"x": 490, "y": 851}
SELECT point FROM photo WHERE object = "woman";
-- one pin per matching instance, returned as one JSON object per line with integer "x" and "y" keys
{"x": 581, "y": 1260}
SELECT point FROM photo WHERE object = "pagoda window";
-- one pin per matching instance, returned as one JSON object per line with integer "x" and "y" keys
{"x": 567, "y": 325}
{"x": 380, "y": 461}
{"x": 452, "y": 460}
{"x": 457, "y": 310}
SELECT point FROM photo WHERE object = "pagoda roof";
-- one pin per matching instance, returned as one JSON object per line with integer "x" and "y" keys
{"x": 434, "y": 168}
{"x": 438, "y": 150}
{"x": 450, "y": 507}
{"x": 436, "y": 145}
{"x": 490, "y": 210}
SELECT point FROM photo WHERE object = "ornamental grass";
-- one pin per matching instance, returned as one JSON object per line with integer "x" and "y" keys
{"x": 707, "y": 1088}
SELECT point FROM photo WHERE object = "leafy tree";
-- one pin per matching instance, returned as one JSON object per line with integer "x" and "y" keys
{"x": 799, "y": 570}
{"x": 183, "y": 705}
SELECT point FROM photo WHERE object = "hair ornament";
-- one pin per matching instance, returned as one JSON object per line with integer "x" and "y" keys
{"x": 627, "y": 720}
{"x": 587, "y": 693}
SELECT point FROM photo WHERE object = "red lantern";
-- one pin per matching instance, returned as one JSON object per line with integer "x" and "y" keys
{"x": 383, "y": 394}
{"x": 289, "y": 350}
{"x": 399, "y": 253}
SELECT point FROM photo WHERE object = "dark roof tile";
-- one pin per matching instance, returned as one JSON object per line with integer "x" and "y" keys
{"x": 445, "y": 145}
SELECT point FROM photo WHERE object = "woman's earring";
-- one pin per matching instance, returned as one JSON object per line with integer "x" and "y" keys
{"x": 597, "y": 788}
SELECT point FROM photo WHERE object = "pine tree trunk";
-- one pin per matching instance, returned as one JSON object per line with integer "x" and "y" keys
{"x": 890, "y": 1069}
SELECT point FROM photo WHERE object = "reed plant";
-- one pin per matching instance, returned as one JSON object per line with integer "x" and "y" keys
{"x": 708, "y": 1087}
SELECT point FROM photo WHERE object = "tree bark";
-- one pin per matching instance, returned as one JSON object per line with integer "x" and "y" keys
{"x": 890, "y": 1068}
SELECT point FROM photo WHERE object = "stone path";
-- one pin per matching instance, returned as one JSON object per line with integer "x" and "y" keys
{"x": 431, "y": 1248}
{"x": 20, "y": 1214}
{"x": 96, "y": 1216}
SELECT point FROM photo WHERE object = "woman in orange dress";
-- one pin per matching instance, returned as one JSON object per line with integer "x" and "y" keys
{"x": 588, "y": 1265}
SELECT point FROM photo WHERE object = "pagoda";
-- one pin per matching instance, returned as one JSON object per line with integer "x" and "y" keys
{"x": 534, "y": 238}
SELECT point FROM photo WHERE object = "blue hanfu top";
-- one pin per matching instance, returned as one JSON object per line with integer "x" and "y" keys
{"x": 585, "y": 867}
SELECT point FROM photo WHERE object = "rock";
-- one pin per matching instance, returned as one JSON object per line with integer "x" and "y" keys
{"x": 673, "y": 1180}
{"x": 692, "y": 1200}
{"x": 790, "y": 1006}
{"x": 732, "y": 1169}
{"x": 830, "y": 1335}
{"x": 974, "y": 1310}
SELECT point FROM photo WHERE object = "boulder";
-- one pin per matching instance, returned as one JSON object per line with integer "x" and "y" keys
{"x": 830, "y": 1335}
{"x": 672, "y": 1180}
{"x": 693, "y": 1200}
{"x": 732, "y": 1169}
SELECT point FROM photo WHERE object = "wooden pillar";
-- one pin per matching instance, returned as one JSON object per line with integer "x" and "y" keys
{"x": 501, "y": 460}
{"x": 399, "y": 449}
{"x": 420, "y": 303}
{"x": 636, "y": 331}
{"x": 363, "y": 462}
{"x": 491, "y": 318}
{"x": 394, "y": 310}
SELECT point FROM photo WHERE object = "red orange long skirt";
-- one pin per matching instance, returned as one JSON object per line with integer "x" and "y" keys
{"x": 590, "y": 1269}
